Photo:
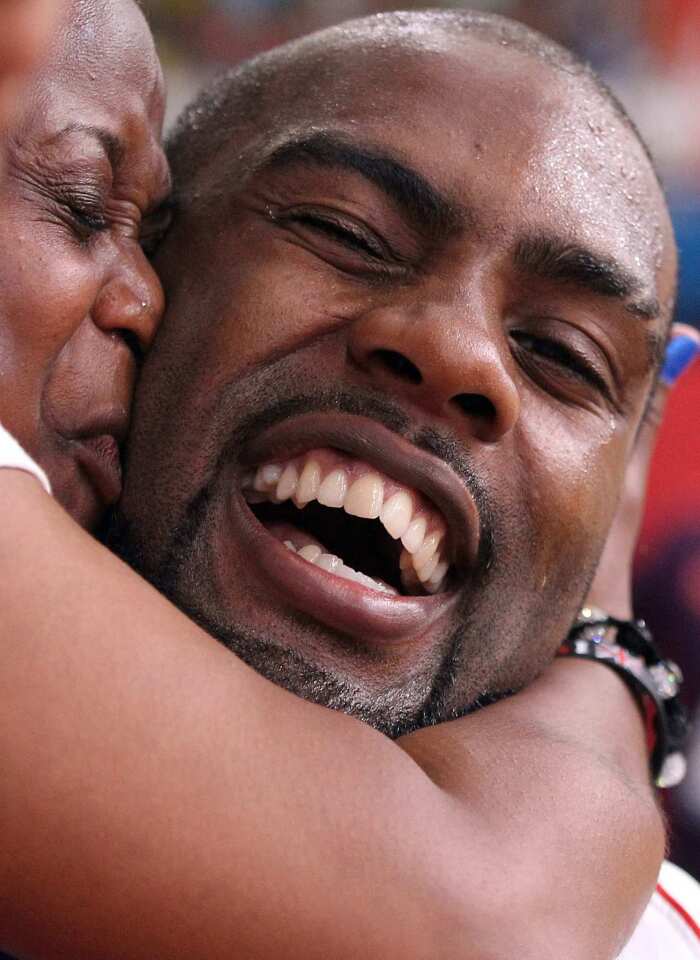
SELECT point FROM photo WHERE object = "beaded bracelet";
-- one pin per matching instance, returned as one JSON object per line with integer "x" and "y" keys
{"x": 628, "y": 648}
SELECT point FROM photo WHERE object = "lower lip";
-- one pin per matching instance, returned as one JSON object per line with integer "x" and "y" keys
{"x": 340, "y": 604}
{"x": 99, "y": 459}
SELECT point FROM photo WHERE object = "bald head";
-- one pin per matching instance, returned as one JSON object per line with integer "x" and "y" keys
{"x": 363, "y": 69}
{"x": 259, "y": 92}
{"x": 438, "y": 223}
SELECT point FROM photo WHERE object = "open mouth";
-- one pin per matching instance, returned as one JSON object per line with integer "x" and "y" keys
{"x": 344, "y": 521}
{"x": 346, "y": 517}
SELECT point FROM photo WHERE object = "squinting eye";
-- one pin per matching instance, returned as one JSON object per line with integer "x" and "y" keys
{"x": 86, "y": 220}
{"x": 86, "y": 210}
{"x": 556, "y": 352}
{"x": 342, "y": 232}
{"x": 92, "y": 221}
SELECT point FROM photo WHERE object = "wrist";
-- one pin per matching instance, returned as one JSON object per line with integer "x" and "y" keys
{"x": 626, "y": 648}
{"x": 593, "y": 708}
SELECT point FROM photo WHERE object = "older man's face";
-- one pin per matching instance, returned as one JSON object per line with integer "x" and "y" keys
{"x": 414, "y": 341}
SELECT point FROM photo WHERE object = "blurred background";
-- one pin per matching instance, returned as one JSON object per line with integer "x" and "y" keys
{"x": 649, "y": 52}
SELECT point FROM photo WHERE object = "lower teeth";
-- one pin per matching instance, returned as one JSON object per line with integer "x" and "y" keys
{"x": 332, "y": 564}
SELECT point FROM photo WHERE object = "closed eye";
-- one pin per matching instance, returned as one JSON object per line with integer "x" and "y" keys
{"x": 91, "y": 219}
{"x": 79, "y": 198}
{"x": 84, "y": 210}
{"x": 556, "y": 352}
{"x": 343, "y": 232}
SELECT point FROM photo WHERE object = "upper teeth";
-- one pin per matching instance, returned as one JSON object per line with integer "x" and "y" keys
{"x": 342, "y": 482}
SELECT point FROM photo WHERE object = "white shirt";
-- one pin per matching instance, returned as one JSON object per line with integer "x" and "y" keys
{"x": 12, "y": 455}
{"x": 670, "y": 925}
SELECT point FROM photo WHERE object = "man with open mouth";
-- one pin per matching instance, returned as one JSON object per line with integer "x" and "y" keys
{"x": 429, "y": 278}
{"x": 380, "y": 440}
{"x": 420, "y": 278}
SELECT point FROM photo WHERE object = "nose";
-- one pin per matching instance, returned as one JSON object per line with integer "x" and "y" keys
{"x": 130, "y": 301}
{"x": 449, "y": 364}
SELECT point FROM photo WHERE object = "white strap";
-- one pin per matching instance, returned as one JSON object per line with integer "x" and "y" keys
{"x": 14, "y": 457}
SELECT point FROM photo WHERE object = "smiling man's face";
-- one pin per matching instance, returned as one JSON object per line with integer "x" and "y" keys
{"x": 411, "y": 333}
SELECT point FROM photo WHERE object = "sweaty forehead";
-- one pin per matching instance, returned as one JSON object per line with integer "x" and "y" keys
{"x": 106, "y": 44}
{"x": 515, "y": 140}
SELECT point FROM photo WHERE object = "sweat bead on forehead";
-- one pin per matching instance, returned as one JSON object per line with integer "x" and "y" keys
{"x": 423, "y": 254}
{"x": 569, "y": 145}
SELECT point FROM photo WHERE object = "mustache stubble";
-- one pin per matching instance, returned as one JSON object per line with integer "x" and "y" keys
{"x": 262, "y": 396}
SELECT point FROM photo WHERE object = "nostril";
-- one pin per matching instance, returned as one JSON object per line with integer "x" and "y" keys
{"x": 475, "y": 405}
{"x": 399, "y": 365}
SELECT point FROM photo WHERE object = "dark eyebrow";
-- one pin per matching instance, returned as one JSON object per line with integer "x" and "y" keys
{"x": 111, "y": 144}
{"x": 556, "y": 260}
{"x": 416, "y": 198}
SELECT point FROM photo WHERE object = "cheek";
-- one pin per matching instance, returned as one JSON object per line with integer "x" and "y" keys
{"x": 277, "y": 302}
{"x": 236, "y": 320}
{"x": 45, "y": 293}
{"x": 44, "y": 296}
{"x": 262, "y": 309}
{"x": 579, "y": 462}
{"x": 570, "y": 471}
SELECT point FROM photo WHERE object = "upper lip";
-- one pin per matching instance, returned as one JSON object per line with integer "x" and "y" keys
{"x": 396, "y": 456}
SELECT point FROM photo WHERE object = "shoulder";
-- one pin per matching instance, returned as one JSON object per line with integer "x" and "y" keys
{"x": 670, "y": 926}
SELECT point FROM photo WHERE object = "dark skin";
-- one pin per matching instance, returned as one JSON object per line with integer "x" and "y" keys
{"x": 26, "y": 28}
{"x": 385, "y": 835}
{"x": 77, "y": 199}
{"x": 532, "y": 302}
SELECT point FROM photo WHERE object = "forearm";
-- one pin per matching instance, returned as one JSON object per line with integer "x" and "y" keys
{"x": 211, "y": 809}
{"x": 159, "y": 797}
{"x": 559, "y": 774}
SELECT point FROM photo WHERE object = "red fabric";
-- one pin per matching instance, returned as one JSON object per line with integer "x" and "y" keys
{"x": 681, "y": 911}
{"x": 674, "y": 484}
{"x": 673, "y": 28}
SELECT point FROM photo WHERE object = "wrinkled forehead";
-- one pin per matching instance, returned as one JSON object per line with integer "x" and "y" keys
{"x": 517, "y": 142}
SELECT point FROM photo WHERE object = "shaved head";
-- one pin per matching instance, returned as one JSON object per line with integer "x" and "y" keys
{"x": 292, "y": 91}
{"x": 428, "y": 249}
{"x": 258, "y": 93}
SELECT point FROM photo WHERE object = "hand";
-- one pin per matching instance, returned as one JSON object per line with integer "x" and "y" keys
{"x": 612, "y": 587}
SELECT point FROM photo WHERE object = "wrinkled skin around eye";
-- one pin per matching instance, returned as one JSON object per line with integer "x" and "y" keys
{"x": 79, "y": 301}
